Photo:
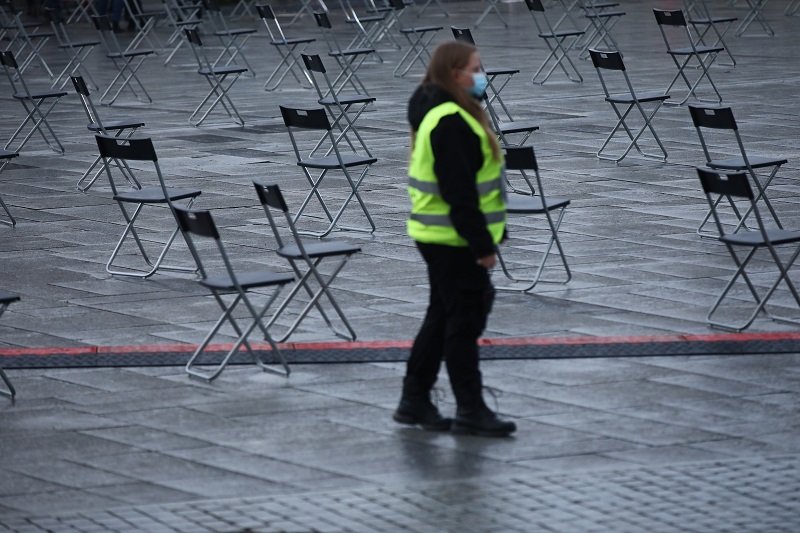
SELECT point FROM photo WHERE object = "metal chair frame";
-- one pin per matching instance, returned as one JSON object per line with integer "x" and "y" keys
{"x": 754, "y": 14}
{"x": 126, "y": 60}
{"x": 141, "y": 149}
{"x": 491, "y": 7}
{"x": 559, "y": 43}
{"x": 611, "y": 61}
{"x": 29, "y": 45}
{"x": 196, "y": 224}
{"x": 601, "y": 21}
{"x": 676, "y": 19}
{"x": 180, "y": 16}
{"x": 309, "y": 255}
{"x": 34, "y": 105}
{"x": 523, "y": 158}
{"x": 703, "y": 22}
{"x": 419, "y": 39}
{"x": 5, "y": 158}
{"x": 288, "y": 50}
{"x": 421, "y": 9}
{"x": 338, "y": 105}
{"x": 792, "y": 8}
{"x": 232, "y": 40}
{"x": 736, "y": 185}
{"x": 84, "y": 9}
{"x": 721, "y": 119}
{"x": 116, "y": 127}
{"x": 348, "y": 59}
{"x": 317, "y": 119}
{"x": 77, "y": 53}
{"x": 216, "y": 77}
{"x": 145, "y": 23}
{"x": 6, "y": 299}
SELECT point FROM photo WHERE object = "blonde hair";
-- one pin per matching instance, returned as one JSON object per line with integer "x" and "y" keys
{"x": 447, "y": 58}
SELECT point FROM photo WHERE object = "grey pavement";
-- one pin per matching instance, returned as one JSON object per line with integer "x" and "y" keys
{"x": 662, "y": 443}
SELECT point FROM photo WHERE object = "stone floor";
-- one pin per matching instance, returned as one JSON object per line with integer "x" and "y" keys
{"x": 663, "y": 443}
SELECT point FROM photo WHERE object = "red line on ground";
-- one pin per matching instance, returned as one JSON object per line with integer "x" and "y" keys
{"x": 405, "y": 344}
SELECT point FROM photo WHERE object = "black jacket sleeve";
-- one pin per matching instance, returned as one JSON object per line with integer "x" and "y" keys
{"x": 457, "y": 160}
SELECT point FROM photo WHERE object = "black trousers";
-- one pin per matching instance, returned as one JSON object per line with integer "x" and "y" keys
{"x": 460, "y": 302}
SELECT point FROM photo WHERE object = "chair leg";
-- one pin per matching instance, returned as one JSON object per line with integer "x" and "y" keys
{"x": 32, "y": 112}
{"x": 256, "y": 321}
{"x": 9, "y": 391}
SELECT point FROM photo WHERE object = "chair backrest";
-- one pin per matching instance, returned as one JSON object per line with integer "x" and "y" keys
{"x": 13, "y": 72}
{"x": 130, "y": 149}
{"x": 720, "y": 118}
{"x": 463, "y": 34}
{"x": 313, "y": 63}
{"x": 322, "y": 20}
{"x": 669, "y": 17}
{"x": 733, "y": 185}
{"x": 311, "y": 119}
{"x": 674, "y": 18}
{"x": 521, "y": 158}
{"x": 86, "y": 101}
{"x": 270, "y": 197}
{"x": 606, "y": 59}
{"x": 267, "y": 15}
{"x": 199, "y": 223}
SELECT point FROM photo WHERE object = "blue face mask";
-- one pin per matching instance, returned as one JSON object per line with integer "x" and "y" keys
{"x": 479, "y": 84}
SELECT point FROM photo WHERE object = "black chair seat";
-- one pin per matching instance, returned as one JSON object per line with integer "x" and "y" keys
{"x": 606, "y": 14}
{"x": 347, "y": 99}
{"x": 115, "y": 125}
{"x": 501, "y": 71}
{"x": 329, "y": 162}
{"x": 517, "y": 127}
{"x": 43, "y": 94}
{"x": 556, "y": 34}
{"x": 132, "y": 53}
{"x": 155, "y": 195}
{"x": 421, "y": 29}
{"x": 218, "y": 71}
{"x": 352, "y": 52}
{"x": 235, "y": 31}
{"x": 524, "y": 204}
{"x": 646, "y": 96}
{"x": 688, "y": 50}
{"x": 247, "y": 280}
{"x": 8, "y": 297}
{"x": 296, "y": 40}
{"x": 713, "y": 20}
{"x": 7, "y": 154}
{"x": 79, "y": 44}
{"x": 754, "y": 238}
{"x": 737, "y": 163}
{"x": 319, "y": 249}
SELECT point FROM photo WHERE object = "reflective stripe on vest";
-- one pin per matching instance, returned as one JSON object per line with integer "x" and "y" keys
{"x": 430, "y": 221}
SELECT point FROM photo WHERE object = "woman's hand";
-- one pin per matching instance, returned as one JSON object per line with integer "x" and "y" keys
{"x": 488, "y": 261}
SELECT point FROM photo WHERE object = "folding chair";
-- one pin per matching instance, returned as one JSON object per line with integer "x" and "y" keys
{"x": 419, "y": 39}
{"x": 216, "y": 77}
{"x": 116, "y": 127}
{"x": 195, "y": 224}
{"x": 126, "y": 60}
{"x": 287, "y": 50}
{"x": 721, "y": 119}
{"x": 77, "y": 53}
{"x": 559, "y": 43}
{"x": 309, "y": 255}
{"x": 421, "y": 9}
{"x": 27, "y": 45}
{"x": 233, "y": 40}
{"x": 34, "y": 104}
{"x": 144, "y": 22}
{"x": 491, "y": 7}
{"x": 181, "y": 15}
{"x": 736, "y": 185}
{"x": 612, "y": 62}
{"x": 317, "y": 120}
{"x": 305, "y": 7}
{"x": 84, "y": 9}
{"x": 338, "y": 105}
{"x": 349, "y": 59}
{"x": 141, "y": 149}
{"x": 754, "y": 14}
{"x": 6, "y": 299}
{"x": 369, "y": 28}
{"x": 522, "y": 159}
{"x": 5, "y": 158}
{"x": 700, "y": 18}
{"x": 243, "y": 9}
{"x": 674, "y": 19}
{"x": 495, "y": 86}
{"x": 602, "y": 18}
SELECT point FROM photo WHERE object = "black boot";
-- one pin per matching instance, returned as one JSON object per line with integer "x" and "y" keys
{"x": 481, "y": 421}
{"x": 416, "y": 409}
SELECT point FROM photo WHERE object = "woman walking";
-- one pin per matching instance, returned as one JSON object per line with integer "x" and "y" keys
{"x": 457, "y": 218}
